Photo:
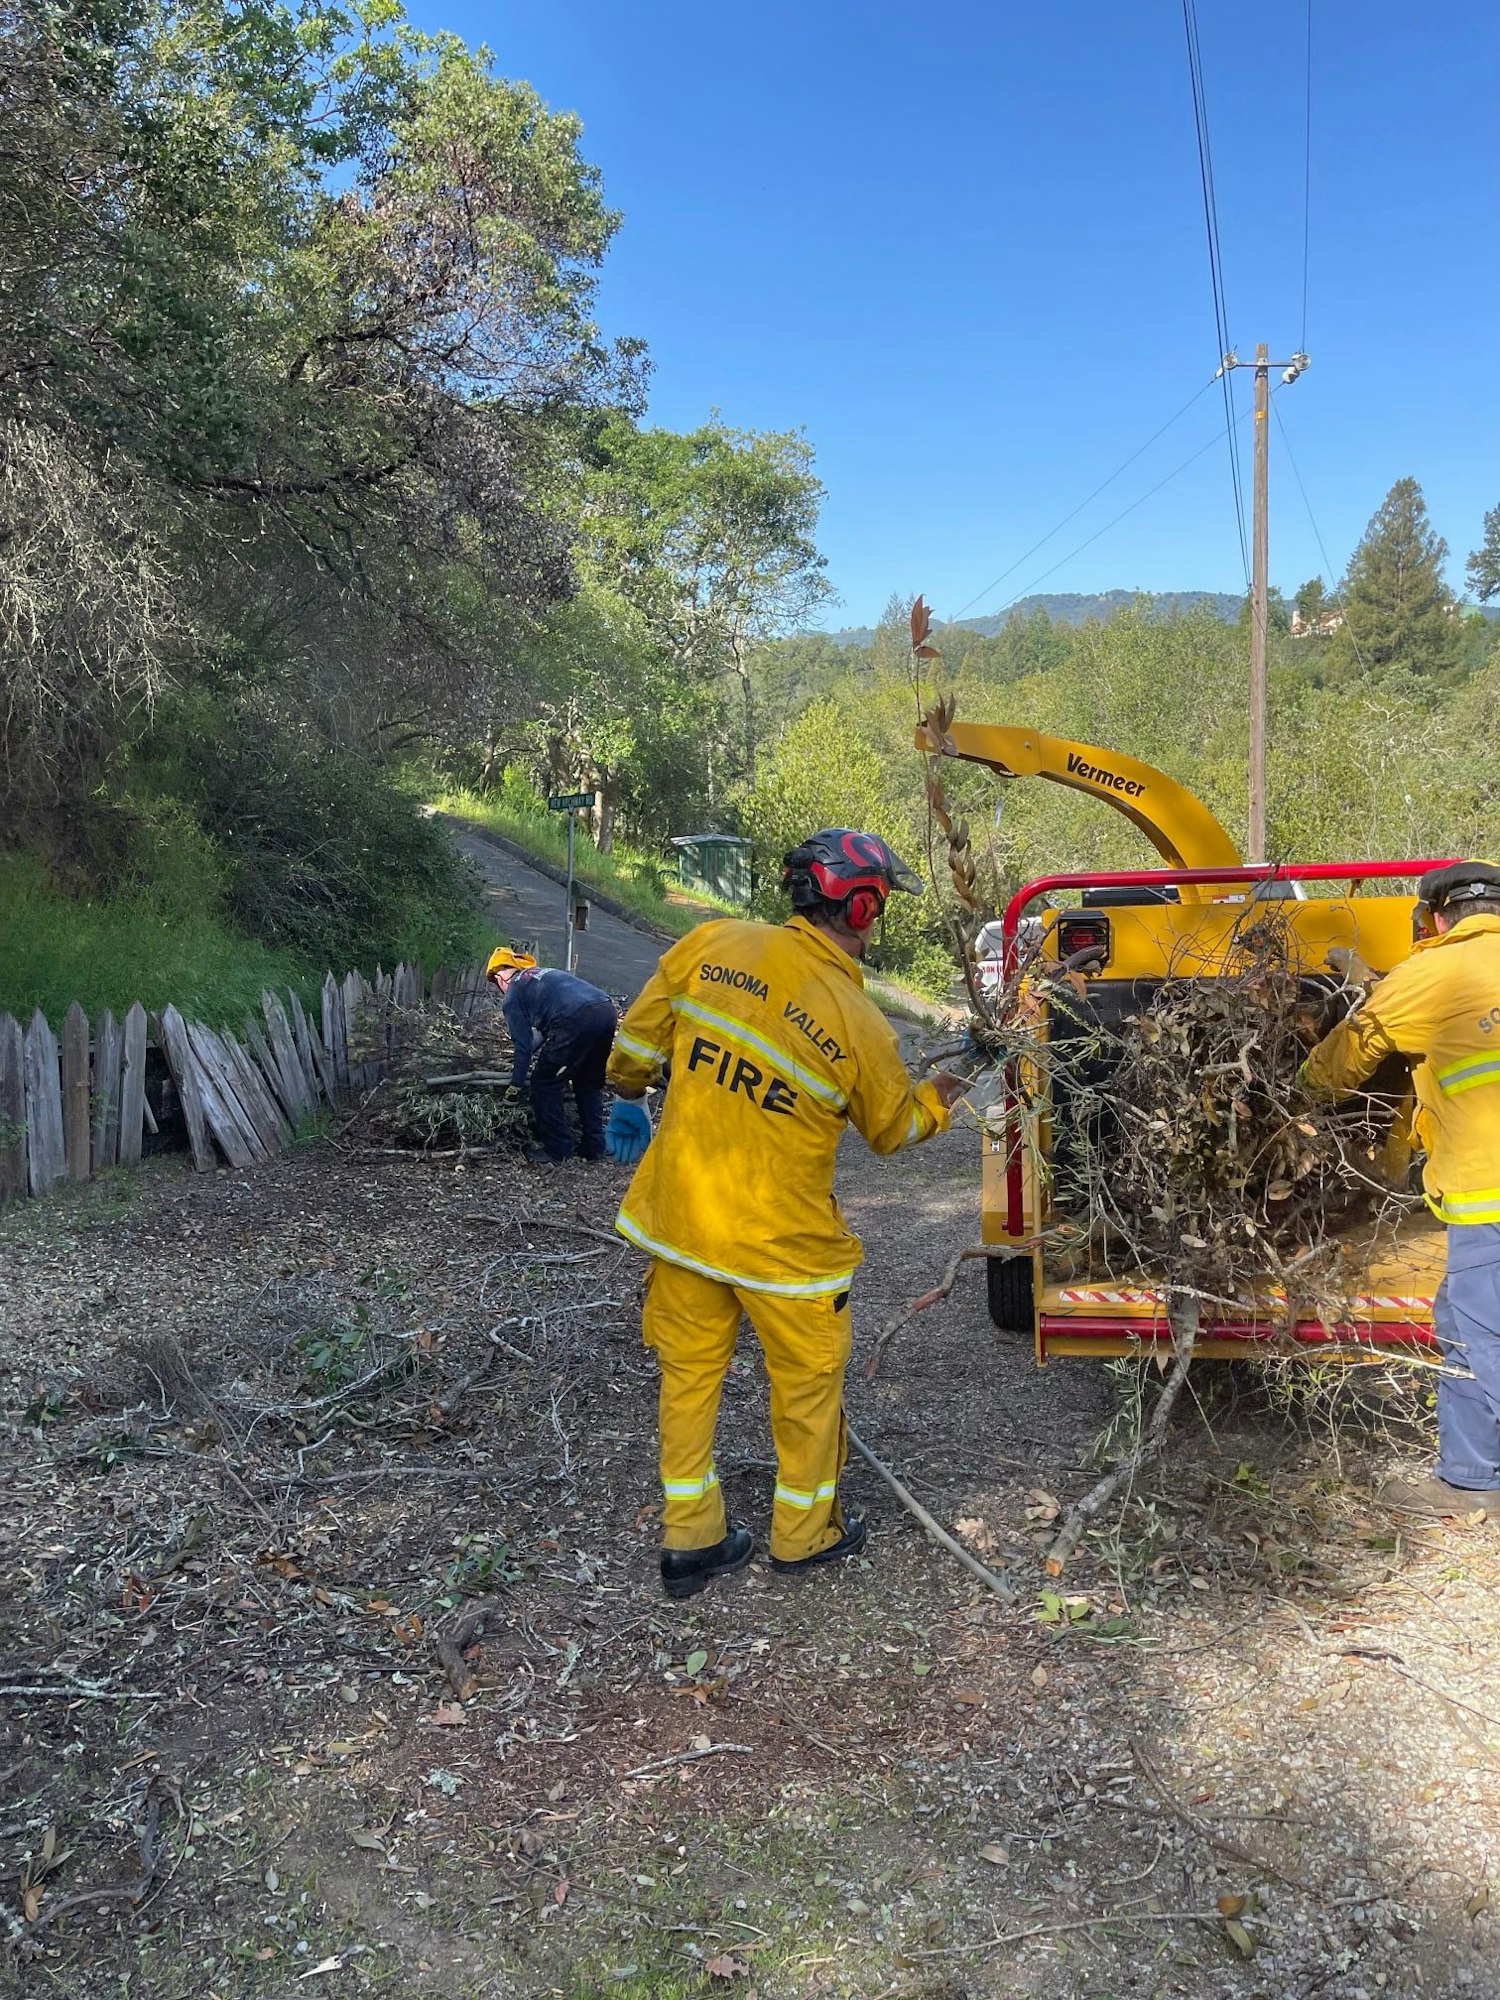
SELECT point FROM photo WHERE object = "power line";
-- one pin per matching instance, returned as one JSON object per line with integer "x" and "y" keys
{"x": 1215, "y": 262}
{"x": 1151, "y": 492}
{"x": 1307, "y": 171}
{"x": 1124, "y": 466}
{"x": 1317, "y": 532}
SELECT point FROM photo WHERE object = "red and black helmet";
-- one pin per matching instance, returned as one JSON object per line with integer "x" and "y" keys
{"x": 838, "y": 866}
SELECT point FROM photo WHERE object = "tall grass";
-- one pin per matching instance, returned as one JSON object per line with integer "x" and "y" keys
{"x": 108, "y": 952}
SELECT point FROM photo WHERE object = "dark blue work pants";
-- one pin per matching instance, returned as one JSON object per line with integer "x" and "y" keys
{"x": 1466, "y": 1318}
{"x": 575, "y": 1052}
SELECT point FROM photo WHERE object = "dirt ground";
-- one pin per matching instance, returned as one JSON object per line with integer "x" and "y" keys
{"x": 266, "y": 1436}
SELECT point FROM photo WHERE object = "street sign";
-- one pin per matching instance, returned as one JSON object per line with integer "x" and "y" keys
{"x": 571, "y": 802}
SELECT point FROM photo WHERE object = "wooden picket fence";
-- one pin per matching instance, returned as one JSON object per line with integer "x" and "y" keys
{"x": 71, "y": 1109}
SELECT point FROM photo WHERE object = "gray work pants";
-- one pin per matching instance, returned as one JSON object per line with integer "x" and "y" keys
{"x": 1466, "y": 1315}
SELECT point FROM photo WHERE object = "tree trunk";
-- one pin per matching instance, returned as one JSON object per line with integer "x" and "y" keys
{"x": 609, "y": 807}
{"x": 737, "y": 651}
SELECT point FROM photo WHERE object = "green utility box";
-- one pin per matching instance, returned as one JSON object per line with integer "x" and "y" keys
{"x": 714, "y": 863}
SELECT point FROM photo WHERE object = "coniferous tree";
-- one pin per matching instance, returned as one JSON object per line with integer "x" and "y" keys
{"x": 1484, "y": 563}
{"x": 1399, "y": 612}
{"x": 1312, "y": 602}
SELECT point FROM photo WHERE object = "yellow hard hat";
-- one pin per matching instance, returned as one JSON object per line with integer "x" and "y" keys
{"x": 503, "y": 959}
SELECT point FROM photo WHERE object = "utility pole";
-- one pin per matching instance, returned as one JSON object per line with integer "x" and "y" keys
{"x": 1260, "y": 584}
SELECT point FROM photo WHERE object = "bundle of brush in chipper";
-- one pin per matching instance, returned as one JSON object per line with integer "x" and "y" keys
{"x": 1184, "y": 1149}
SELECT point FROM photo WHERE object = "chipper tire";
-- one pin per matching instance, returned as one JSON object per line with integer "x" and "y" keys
{"x": 1011, "y": 1289}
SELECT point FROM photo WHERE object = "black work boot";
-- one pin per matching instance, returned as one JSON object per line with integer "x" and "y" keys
{"x": 687, "y": 1571}
{"x": 850, "y": 1543}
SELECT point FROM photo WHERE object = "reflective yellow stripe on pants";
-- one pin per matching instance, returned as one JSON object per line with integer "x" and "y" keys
{"x": 692, "y": 1322}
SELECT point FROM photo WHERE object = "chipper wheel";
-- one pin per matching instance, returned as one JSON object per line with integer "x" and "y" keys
{"x": 1012, "y": 1293}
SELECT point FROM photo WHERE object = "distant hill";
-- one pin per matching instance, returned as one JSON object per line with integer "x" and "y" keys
{"x": 1073, "y": 608}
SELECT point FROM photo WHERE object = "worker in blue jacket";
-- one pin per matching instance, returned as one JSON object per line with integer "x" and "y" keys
{"x": 563, "y": 1030}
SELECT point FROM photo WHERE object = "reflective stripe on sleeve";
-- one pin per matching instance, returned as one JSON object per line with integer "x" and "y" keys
{"x": 804, "y": 1501}
{"x": 816, "y": 1288}
{"x": 1469, "y": 1074}
{"x": 642, "y": 1051}
{"x": 746, "y": 1038}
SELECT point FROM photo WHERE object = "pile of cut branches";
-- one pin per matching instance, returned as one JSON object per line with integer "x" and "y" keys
{"x": 1187, "y": 1149}
{"x": 449, "y": 1089}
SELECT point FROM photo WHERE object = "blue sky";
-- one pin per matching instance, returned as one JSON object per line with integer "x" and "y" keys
{"x": 962, "y": 247}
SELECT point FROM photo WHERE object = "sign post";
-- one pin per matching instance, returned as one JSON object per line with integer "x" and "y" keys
{"x": 571, "y": 803}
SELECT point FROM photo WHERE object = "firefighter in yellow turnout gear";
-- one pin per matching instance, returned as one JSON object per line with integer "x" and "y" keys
{"x": 772, "y": 1047}
{"x": 1441, "y": 1006}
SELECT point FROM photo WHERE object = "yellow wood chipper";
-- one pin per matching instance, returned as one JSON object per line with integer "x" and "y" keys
{"x": 1132, "y": 929}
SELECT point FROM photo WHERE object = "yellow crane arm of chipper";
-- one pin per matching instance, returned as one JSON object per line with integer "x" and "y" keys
{"x": 1179, "y": 826}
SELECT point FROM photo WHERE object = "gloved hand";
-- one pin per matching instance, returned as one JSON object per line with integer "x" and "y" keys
{"x": 950, "y": 1088}
{"x": 1351, "y": 967}
{"x": 628, "y": 1133}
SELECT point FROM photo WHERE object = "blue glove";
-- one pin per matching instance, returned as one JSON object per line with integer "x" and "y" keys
{"x": 628, "y": 1133}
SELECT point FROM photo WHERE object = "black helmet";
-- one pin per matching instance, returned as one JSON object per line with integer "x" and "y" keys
{"x": 1459, "y": 883}
{"x": 832, "y": 866}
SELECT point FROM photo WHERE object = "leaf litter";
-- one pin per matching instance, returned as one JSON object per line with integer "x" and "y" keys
{"x": 271, "y": 1438}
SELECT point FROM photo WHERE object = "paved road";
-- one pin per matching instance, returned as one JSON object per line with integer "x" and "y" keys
{"x": 526, "y": 908}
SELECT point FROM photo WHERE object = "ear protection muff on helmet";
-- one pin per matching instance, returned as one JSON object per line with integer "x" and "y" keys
{"x": 863, "y": 908}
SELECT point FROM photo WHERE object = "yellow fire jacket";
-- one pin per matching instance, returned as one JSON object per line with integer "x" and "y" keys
{"x": 774, "y": 1046}
{"x": 1441, "y": 1007}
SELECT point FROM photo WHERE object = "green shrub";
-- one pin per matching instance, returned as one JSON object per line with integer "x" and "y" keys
{"x": 321, "y": 853}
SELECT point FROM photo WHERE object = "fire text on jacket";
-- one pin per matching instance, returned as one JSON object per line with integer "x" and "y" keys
{"x": 736, "y": 1073}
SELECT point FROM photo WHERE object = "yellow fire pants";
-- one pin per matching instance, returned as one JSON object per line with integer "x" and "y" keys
{"x": 693, "y": 1322}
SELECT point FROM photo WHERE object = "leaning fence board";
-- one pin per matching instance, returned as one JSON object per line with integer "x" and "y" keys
{"x": 314, "y": 1054}
{"x": 272, "y": 1126}
{"x": 221, "y": 1108}
{"x": 356, "y": 1030}
{"x": 105, "y": 1101}
{"x": 382, "y": 1024}
{"x": 133, "y": 1086}
{"x": 194, "y": 1090}
{"x": 45, "y": 1157}
{"x": 230, "y": 1123}
{"x": 442, "y": 986}
{"x": 75, "y": 1092}
{"x": 281, "y": 1093}
{"x": 334, "y": 1038}
{"x": 12, "y": 1108}
{"x": 299, "y": 1091}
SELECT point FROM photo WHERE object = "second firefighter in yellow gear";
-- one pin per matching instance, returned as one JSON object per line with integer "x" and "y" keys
{"x": 1441, "y": 1006}
{"x": 773, "y": 1047}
